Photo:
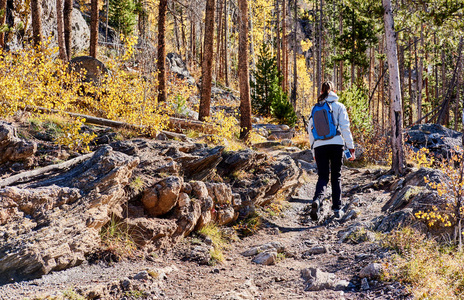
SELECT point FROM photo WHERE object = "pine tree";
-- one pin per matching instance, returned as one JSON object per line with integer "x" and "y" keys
{"x": 268, "y": 97}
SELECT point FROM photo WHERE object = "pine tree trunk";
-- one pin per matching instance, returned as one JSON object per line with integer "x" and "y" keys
{"x": 340, "y": 31}
{"x": 252, "y": 46}
{"x": 420, "y": 75}
{"x": 67, "y": 19}
{"x": 36, "y": 12}
{"x": 245, "y": 103}
{"x": 284, "y": 47}
{"x": 395, "y": 91}
{"x": 2, "y": 22}
{"x": 279, "y": 65}
{"x": 319, "y": 49}
{"x": 93, "y": 28}
{"x": 295, "y": 68}
{"x": 182, "y": 29}
{"x": 161, "y": 63}
{"x": 219, "y": 41}
{"x": 60, "y": 29}
{"x": 226, "y": 44}
{"x": 207, "y": 62}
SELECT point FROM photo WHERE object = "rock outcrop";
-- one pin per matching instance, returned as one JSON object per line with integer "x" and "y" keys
{"x": 53, "y": 224}
{"x": 13, "y": 148}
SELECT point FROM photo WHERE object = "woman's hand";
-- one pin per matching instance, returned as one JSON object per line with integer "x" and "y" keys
{"x": 353, "y": 157}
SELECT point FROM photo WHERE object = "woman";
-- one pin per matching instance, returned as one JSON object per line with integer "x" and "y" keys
{"x": 328, "y": 152}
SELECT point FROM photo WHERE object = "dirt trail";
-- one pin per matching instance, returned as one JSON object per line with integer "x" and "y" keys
{"x": 238, "y": 277}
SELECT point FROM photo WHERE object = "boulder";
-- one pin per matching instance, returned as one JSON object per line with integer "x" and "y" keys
{"x": 93, "y": 69}
{"x": 273, "y": 246}
{"x": 162, "y": 197}
{"x": 13, "y": 148}
{"x": 179, "y": 68}
{"x": 157, "y": 232}
{"x": 53, "y": 224}
{"x": 317, "y": 280}
{"x": 438, "y": 139}
{"x": 202, "y": 167}
{"x": 266, "y": 258}
{"x": 221, "y": 193}
{"x": 372, "y": 270}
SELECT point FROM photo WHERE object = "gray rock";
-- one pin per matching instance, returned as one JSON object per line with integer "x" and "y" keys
{"x": 372, "y": 270}
{"x": 365, "y": 284}
{"x": 266, "y": 258}
{"x": 93, "y": 69}
{"x": 317, "y": 250}
{"x": 341, "y": 285}
{"x": 273, "y": 246}
{"x": 143, "y": 275}
{"x": 317, "y": 280}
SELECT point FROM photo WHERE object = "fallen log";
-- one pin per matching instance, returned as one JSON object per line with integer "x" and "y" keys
{"x": 29, "y": 175}
{"x": 174, "y": 123}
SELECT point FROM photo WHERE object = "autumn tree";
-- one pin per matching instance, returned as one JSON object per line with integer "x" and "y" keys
{"x": 60, "y": 29}
{"x": 207, "y": 62}
{"x": 67, "y": 20}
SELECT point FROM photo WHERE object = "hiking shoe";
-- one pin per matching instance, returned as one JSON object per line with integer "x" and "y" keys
{"x": 338, "y": 213}
{"x": 314, "y": 213}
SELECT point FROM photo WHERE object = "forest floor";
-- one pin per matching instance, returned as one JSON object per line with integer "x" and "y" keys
{"x": 173, "y": 276}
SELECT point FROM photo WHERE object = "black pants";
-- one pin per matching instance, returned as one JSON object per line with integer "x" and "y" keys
{"x": 329, "y": 159}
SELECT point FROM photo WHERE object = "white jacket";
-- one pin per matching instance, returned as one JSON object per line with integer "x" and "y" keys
{"x": 342, "y": 122}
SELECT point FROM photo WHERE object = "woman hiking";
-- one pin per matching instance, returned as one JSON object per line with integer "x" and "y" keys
{"x": 329, "y": 131}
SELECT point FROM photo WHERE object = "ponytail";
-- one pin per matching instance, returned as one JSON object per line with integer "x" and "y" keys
{"x": 326, "y": 88}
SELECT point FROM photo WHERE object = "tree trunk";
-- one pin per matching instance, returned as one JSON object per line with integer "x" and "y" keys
{"x": 36, "y": 12}
{"x": 93, "y": 28}
{"x": 60, "y": 29}
{"x": 219, "y": 40}
{"x": 182, "y": 29}
{"x": 295, "y": 69}
{"x": 279, "y": 65}
{"x": 420, "y": 72}
{"x": 226, "y": 44}
{"x": 161, "y": 63}
{"x": 2, "y": 22}
{"x": 207, "y": 62}
{"x": 395, "y": 91}
{"x": 252, "y": 46}
{"x": 340, "y": 31}
{"x": 284, "y": 47}
{"x": 319, "y": 49}
{"x": 245, "y": 103}
{"x": 67, "y": 19}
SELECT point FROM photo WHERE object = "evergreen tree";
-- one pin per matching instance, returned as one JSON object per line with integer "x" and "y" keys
{"x": 122, "y": 15}
{"x": 267, "y": 77}
{"x": 268, "y": 98}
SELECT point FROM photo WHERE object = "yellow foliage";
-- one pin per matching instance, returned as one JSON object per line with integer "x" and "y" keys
{"x": 74, "y": 138}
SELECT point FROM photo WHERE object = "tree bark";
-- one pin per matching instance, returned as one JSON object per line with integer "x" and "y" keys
{"x": 395, "y": 91}
{"x": 279, "y": 60}
{"x": 295, "y": 69}
{"x": 36, "y": 12}
{"x": 420, "y": 72}
{"x": 161, "y": 63}
{"x": 60, "y": 29}
{"x": 245, "y": 103}
{"x": 67, "y": 19}
{"x": 226, "y": 44}
{"x": 2, "y": 22}
{"x": 219, "y": 41}
{"x": 284, "y": 47}
{"x": 207, "y": 62}
{"x": 94, "y": 28}
{"x": 319, "y": 50}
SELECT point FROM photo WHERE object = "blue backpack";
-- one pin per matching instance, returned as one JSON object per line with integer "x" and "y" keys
{"x": 323, "y": 126}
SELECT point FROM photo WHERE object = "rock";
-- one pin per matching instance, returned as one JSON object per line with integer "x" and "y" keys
{"x": 93, "y": 69}
{"x": 142, "y": 276}
{"x": 351, "y": 215}
{"x": 225, "y": 215}
{"x": 126, "y": 284}
{"x": 199, "y": 189}
{"x": 317, "y": 250}
{"x": 438, "y": 139}
{"x": 305, "y": 155}
{"x": 273, "y": 246}
{"x": 395, "y": 220}
{"x": 13, "y": 148}
{"x": 317, "y": 280}
{"x": 178, "y": 67}
{"x": 206, "y": 215}
{"x": 341, "y": 285}
{"x": 54, "y": 223}
{"x": 187, "y": 218}
{"x": 203, "y": 167}
{"x": 221, "y": 193}
{"x": 163, "y": 196}
{"x": 157, "y": 232}
{"x": 365, "y": 284}
{"x": 200, "y": 254}
{"x": 266, "y": 258}
{"x": 281, "y": 135}
{"x": 286, "y": 142}
{"x": 371, "y": 271}
{"x": 237, "y": 160}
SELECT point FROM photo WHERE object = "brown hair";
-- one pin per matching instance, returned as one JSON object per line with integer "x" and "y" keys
{"x": 326, "y": 88}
